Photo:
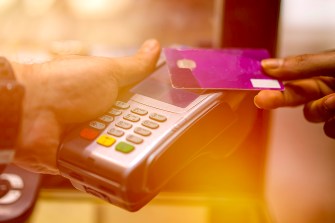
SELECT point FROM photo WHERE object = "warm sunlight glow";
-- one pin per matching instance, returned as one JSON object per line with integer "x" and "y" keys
{"x": 97, "y": 8}
{"x": 6, "y": 4}
{"x": 37, "y": 8}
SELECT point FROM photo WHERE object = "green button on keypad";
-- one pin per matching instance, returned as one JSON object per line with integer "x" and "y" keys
{"x": 124, "y": 147}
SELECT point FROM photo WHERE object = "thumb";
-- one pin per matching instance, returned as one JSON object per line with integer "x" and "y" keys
{"x": 129, "y": 70}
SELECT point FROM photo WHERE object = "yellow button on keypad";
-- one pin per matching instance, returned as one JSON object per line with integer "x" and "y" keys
{"x": 106, "y": 140}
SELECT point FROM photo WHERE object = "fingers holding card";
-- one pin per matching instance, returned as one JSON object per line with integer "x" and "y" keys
{"x": 226, "y": 69}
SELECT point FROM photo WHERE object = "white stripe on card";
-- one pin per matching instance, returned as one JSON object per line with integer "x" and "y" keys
{"x": 265, "y": 83}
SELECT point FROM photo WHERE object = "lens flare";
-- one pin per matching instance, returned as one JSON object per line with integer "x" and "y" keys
{"x": 97, "y": 8}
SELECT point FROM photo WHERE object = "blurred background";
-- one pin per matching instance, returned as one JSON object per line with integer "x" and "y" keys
{"x": 301, "y": 162}
{"x": 112, "y": 23}
{"x": 300, "y": 167}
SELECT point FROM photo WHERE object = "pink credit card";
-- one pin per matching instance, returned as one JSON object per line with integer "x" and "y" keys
{"x": 195, "y": 68}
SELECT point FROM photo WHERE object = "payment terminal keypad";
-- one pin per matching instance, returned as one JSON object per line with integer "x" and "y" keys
{"x": 134, "y": 123}
{"x": 115, "y": 132}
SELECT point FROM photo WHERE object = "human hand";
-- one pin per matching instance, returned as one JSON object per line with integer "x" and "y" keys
{"x": 311, "y": 82}
{"x": 69, "y": 90}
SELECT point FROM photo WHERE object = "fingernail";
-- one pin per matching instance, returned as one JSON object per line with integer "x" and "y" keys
{"x": 149, "y": 45}
{"x": 329, "y": 128}
{"x": 272, "y": 63}
{"x": 330, "y": 103}
{"x": 255, "y": 103}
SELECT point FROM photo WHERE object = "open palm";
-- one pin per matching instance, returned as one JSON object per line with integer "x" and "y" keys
{"x": 69, "y": 90}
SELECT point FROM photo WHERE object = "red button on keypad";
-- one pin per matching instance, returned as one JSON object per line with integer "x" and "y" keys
{"x": 89, "y": 133}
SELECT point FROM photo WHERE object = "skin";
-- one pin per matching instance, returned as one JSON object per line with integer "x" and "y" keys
{"x": 69, "y": 90}
{"x": 309, "y": 81}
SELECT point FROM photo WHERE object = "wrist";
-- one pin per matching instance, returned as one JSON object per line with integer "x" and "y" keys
{"x": 39, "y": 137}
{"x": 11, "y": 103}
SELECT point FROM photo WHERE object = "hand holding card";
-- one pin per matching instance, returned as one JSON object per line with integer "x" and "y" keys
{"x": 240, "y": 69}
